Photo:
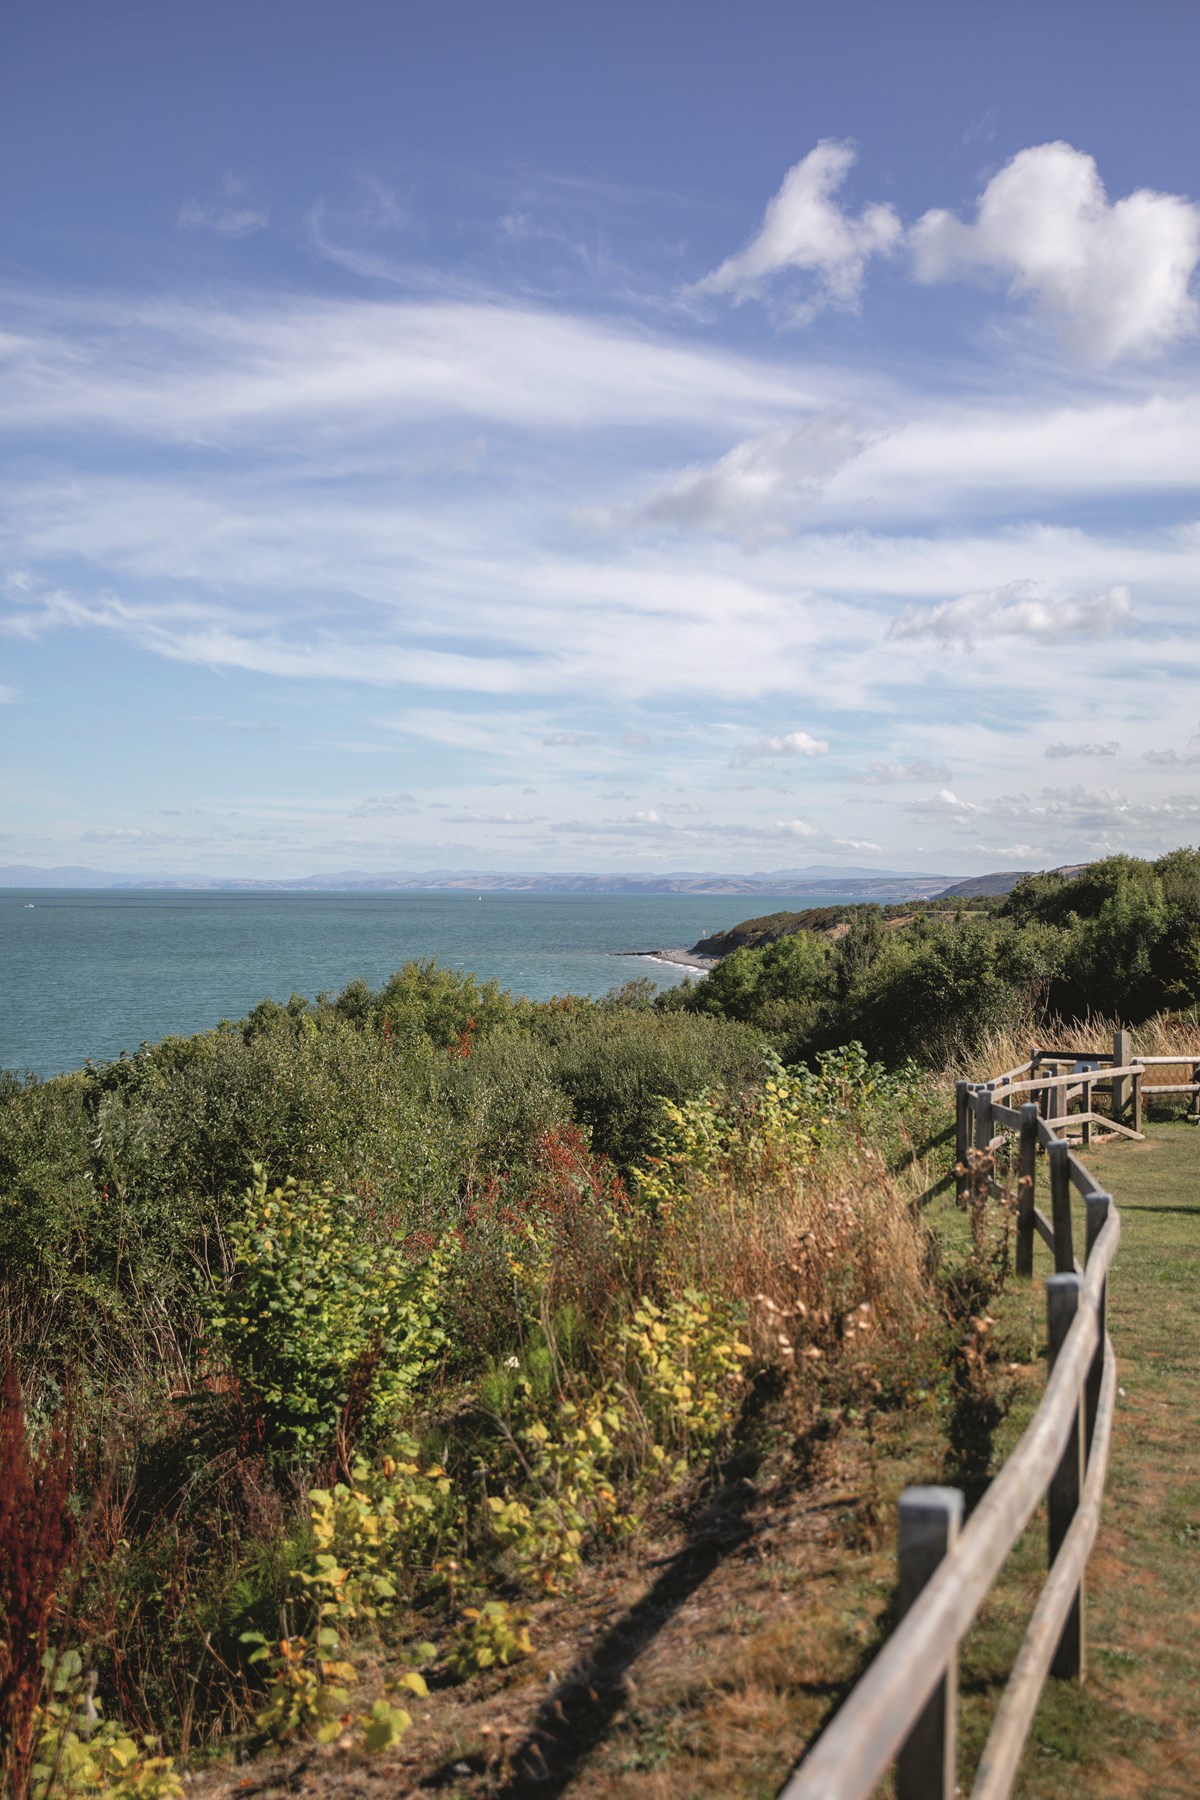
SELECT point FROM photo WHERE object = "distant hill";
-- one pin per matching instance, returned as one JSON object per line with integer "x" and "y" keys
{"x": 1003, "y": 882}
{"x": 980, "y": 886}
{"x": 817, "y": 881}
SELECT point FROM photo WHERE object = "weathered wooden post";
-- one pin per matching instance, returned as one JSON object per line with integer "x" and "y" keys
{"x": 1195, "y": 1106}
{"x": 1136, "y": 1079}
{"x": 1086, "y": 1122}
{"x": 1122, "y": 1057}
{"x": 1026, "y": 1181}
{"x": 983, "y": 1115}
{"x": 1062, "y": 1306}
{"x": 1098, "y": 1206}
{"x": 927, "y": 1767}
{"x": 1059, "y": 1156}
{"x": 962, "y": 1141}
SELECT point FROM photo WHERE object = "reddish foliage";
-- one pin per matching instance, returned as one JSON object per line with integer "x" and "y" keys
{"x": 462, "y": 1044}
{"x": 37, "y": 1540}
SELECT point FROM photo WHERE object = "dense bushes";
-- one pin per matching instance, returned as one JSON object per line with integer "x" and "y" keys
{"x": 1122, "y": 937}
{"x": 380, "y": 1312}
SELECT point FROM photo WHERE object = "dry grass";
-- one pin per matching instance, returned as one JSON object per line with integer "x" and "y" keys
{"x": 1166, "y": 1034}
{"x": 828, "y": 1260}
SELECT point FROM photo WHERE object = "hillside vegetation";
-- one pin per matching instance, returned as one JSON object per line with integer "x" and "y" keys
{"x": 341, "y": 1338}
{"x": 354, "y": 1351}
{"x": 1120, "y": 937}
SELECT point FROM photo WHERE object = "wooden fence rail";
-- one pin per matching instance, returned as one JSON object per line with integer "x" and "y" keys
{"x": 904, "y": 1709}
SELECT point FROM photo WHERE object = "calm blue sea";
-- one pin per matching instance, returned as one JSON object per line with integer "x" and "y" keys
{"x": 91, "y": 973}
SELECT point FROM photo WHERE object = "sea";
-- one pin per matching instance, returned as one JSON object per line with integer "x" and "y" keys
{"x": 86, "y": 974}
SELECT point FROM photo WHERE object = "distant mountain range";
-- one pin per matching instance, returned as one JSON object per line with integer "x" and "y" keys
{"x": 816, "y": 880}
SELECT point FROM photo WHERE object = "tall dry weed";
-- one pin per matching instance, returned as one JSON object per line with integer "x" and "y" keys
{"x": 1166, "y": 1034}
{"x": 826, "y": 1259}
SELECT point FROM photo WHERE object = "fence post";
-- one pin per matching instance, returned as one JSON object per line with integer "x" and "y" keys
{"x": 1026, "y": 1180}
{"x": 983, "y": 1116}
{"x": 1059, "y": 1155}
{"x": 1086, "y": 1122}
{"x": 1122, "y": 1057}
{"x": 962, "y": 1140}
{"x": 1136, "y": 1079}
{"x": 1195, "y": 1107}
{"x": 1098, "y": 1205}
{"x": 927, "y": 1767}
{"x": 1062, "y": 1306}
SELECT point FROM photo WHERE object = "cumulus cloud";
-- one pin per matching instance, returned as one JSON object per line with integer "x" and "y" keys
{"x": 233, "y": 211}
{"x": 878, "y": 774}
{"x": 761, "y": 480}
{"x": 1019, "y": 609}
{"x": 1168, "y": 758}
{"x": 794, "y": 743}
{"x": 1060, "y": 752}
{"x": 1112, "y": 276}
{"x": 805, "y": 228}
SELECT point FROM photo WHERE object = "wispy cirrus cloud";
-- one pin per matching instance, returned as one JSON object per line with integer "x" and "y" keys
{"x": 233, "y": 211}
{"x": 881, "y": 774}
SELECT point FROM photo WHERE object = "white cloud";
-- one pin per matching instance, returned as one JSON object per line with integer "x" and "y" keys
{"x": 877, "y": 774}
{"x": 805, "y": 228}
{"x": 255, "y": 367}
{"x": 944, "y": 804}
{"x": 388, "y": 804}
{"x": 1060, "y": 752}
{"x": 233, "y": 211}
{"x": 1007, "y": 849}
{"x": 794, "y": 743}
{"x": 1113, "y": 276}
{"x": 1019, "y": 609}
{"x": 765, "y": 479}
{"x": 1165, "y": 759}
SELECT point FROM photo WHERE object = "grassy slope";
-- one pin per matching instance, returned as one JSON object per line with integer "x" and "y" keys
{"x": 1134, "y": 1727}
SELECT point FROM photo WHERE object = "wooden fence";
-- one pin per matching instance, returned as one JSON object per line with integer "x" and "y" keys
{"x": 904, "y": 1709}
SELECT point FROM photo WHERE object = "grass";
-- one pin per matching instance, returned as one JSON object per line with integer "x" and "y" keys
{"x": 1134, "y": 1726}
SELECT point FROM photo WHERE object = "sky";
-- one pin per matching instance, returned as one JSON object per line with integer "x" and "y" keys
{"x": 643, "y": 438}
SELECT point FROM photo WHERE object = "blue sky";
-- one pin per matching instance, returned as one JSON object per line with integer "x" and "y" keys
{"x": 548, "y": 437}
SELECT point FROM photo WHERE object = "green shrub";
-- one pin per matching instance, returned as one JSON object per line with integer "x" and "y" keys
{"x": 324, "y": 1330}
{"x": 617, "y": 1066}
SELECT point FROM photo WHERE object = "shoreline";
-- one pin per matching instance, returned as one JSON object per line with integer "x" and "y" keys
{"x": 679, "y": 959}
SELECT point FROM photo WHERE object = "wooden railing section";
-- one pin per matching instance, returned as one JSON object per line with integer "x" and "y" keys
{"x": 904, "y": 1709}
